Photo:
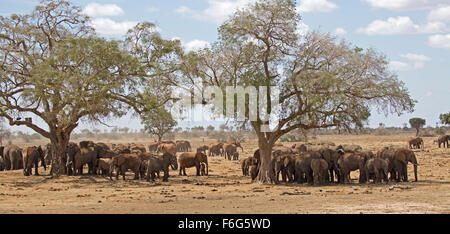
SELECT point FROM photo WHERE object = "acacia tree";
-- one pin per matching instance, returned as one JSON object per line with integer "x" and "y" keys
{"x": 445, "y": 118}
{"x": 158, "y": 122}
{"x": 53, "y": 67}
{"x": 322, "y": 83}
{"x": 417, "y": 123}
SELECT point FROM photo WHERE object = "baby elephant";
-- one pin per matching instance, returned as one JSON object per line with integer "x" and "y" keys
{"x": 320, "y": 171}
{"x": 103, "y": 166}
{"x": 161, "y": 163}
{"x": 253, "y": 170}
{"x": 202, "y": 169}
{"x": 377, "y": 168}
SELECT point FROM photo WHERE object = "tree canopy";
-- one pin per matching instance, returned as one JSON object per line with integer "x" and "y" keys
{"x": 417, "y": 123}
{"x": 445, "y": 118}
{"x": 54, "y": 67}
{"x": 323, "y": 83}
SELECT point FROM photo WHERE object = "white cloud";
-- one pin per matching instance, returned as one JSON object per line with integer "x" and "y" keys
{"x": 416, "y": 61}
{"x": 195, "y": 45}
{"x": 216, "y": 12}
{"x": 99, "y": 10}
{"x": 152, "y": 9}
{"x": 439, "y": 41}
{"x": 316, "y": 6}
{"x": 399, "y": 66}
{"x": 402, "y": 25}
{"x": 340, "y": 32}
{"x": 110, "y": 27}
{"x": 403, "y": 5}
{"x": 429, "y": 94}
{"x": 441, "y": 14}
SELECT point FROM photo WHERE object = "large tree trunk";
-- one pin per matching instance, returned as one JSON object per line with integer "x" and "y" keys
{"x": 266, "y": 173}
{"x": 58, "y": 155}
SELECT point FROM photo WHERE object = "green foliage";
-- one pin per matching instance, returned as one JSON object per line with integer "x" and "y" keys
{"x": 158, "y": 122}
{"x": 445, "y": 118}
{"x": 417, "y": 122}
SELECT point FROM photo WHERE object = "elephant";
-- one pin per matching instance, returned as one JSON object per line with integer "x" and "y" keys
{"x": 284, "y": 164}
{"x": 331, "y": 157}
{"x": 377, "y": 167}
{"x": 187, "y": 160}
{"x": 349, "y": 148}
{"x": 202, "y": 169}
{"x": 352, "y": 162}
{"x": 216, "y": 149}
{"x": 31, "y": 157}
{"x": 398, "y": 160}
{"x": 156, "y": 164}
{"x": 103, "y": 166}
{"x": 1, "y": 151}
{"x": 183, "y": 146}
{"x": 302, "y": 166}
{"x": 121, "y": 149}
{"x": 2, "y": 164}
{"x": 152, "y": 147}
{"x": 87, "y": 154}
{"x": 167, "y": 148}
{"x": 236, "y": 156}
{"x": 203, "y": 149}
{"x": 13, "y": 159}
{"x": 401, "y": 159}
{"x": 416, "y": 143}
{"x": 253, "y": 171}
{"x": 246, "y": 163}
{"x": 442, "y": 140}
{"x": 124, "y": 162}
{"x": 230, "y": 148}
{"x": 319, "y": 169}
{"x": 280, "y": 150}
{"x": 298, "y": 148}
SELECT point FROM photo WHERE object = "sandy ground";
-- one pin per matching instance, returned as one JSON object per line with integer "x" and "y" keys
{"x": 226, "y": 191}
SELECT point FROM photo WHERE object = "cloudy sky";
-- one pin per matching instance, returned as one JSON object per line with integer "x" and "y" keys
{"x": 414, "y": 35}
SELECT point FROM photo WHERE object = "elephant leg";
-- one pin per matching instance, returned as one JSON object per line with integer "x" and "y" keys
{"x": 166, "y": 175}
{"x": 36, "y": 172}
{"x": 184, "y": 171}
{"x": 283, "y": 175}
{"x": 405, "y": 172}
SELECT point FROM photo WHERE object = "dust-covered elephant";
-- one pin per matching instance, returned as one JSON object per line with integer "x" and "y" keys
{"x": 351, "y": 162}
{"x": 31, "y": 158}
{"x": 161, "y": 163}
{"x": 187, "y": 160}
{"x": 377, "y": 169}
{"x": 13, "y": 159}
{"x": 124, "y": 162}
{"x": 319, "y": 169}
{"x": 216, "y": 149}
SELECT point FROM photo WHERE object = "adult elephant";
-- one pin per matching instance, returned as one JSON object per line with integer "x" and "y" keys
{"x": 351, "y": 162}
{"x": 416, "y": 143}
{"x": 349, "y": 148}
{"x": 161, "y": 163}
{"x": 331, "y": 157}
{"x": 246, "y": 163}
{"x": 170, "y": 148}
{"x": 187, "y": 160}
{"x": 203, "y": 149}
{"x": 31, "y": 157}
{"x": 443, "y": 140}
{"x": 183, "y": 146}
{"x": 124, "y": 162}
{"x": 231, "y": 148}
{"x": 216, "y": 149}
{"x": 298, "y": 148}
{"x": 377, "y": 168}
{"x": 303, "y": 170}
{"x": 13, "y": 157}
{"x": 401, "y": 158}
{"x": 284, "y": 164}
{"x": 153, "y": 146}
{"x": 87, "y": 154}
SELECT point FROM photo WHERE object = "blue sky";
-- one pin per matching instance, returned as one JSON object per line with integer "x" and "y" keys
{"x": 413, "y": 34}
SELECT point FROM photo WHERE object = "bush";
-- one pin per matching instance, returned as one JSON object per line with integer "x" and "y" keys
{"x": 440, "y": 131}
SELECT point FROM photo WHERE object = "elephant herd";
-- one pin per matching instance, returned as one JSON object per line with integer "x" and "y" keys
{"x": 417, "y": 142}
{"x": 227, "y": 150}
{"x": 105, "y": 159}
{"x": 320, "y": 165}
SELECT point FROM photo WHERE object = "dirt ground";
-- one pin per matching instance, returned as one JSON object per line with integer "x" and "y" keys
{"x": 226, "y": 191}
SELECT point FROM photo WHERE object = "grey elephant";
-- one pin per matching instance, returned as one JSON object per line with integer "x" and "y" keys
{"x": 351, "y": 162}
{"x": 31, "y": 157}
{"x": 398, "y": 161}
{"x": 13, "y": 159}
{"x": 161, "y": 163}
{"x": 303, "y": 171}
{"x": 319, "y": 168}
{"x": 377, "y": 168}
{"x": 231, "y": 148}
